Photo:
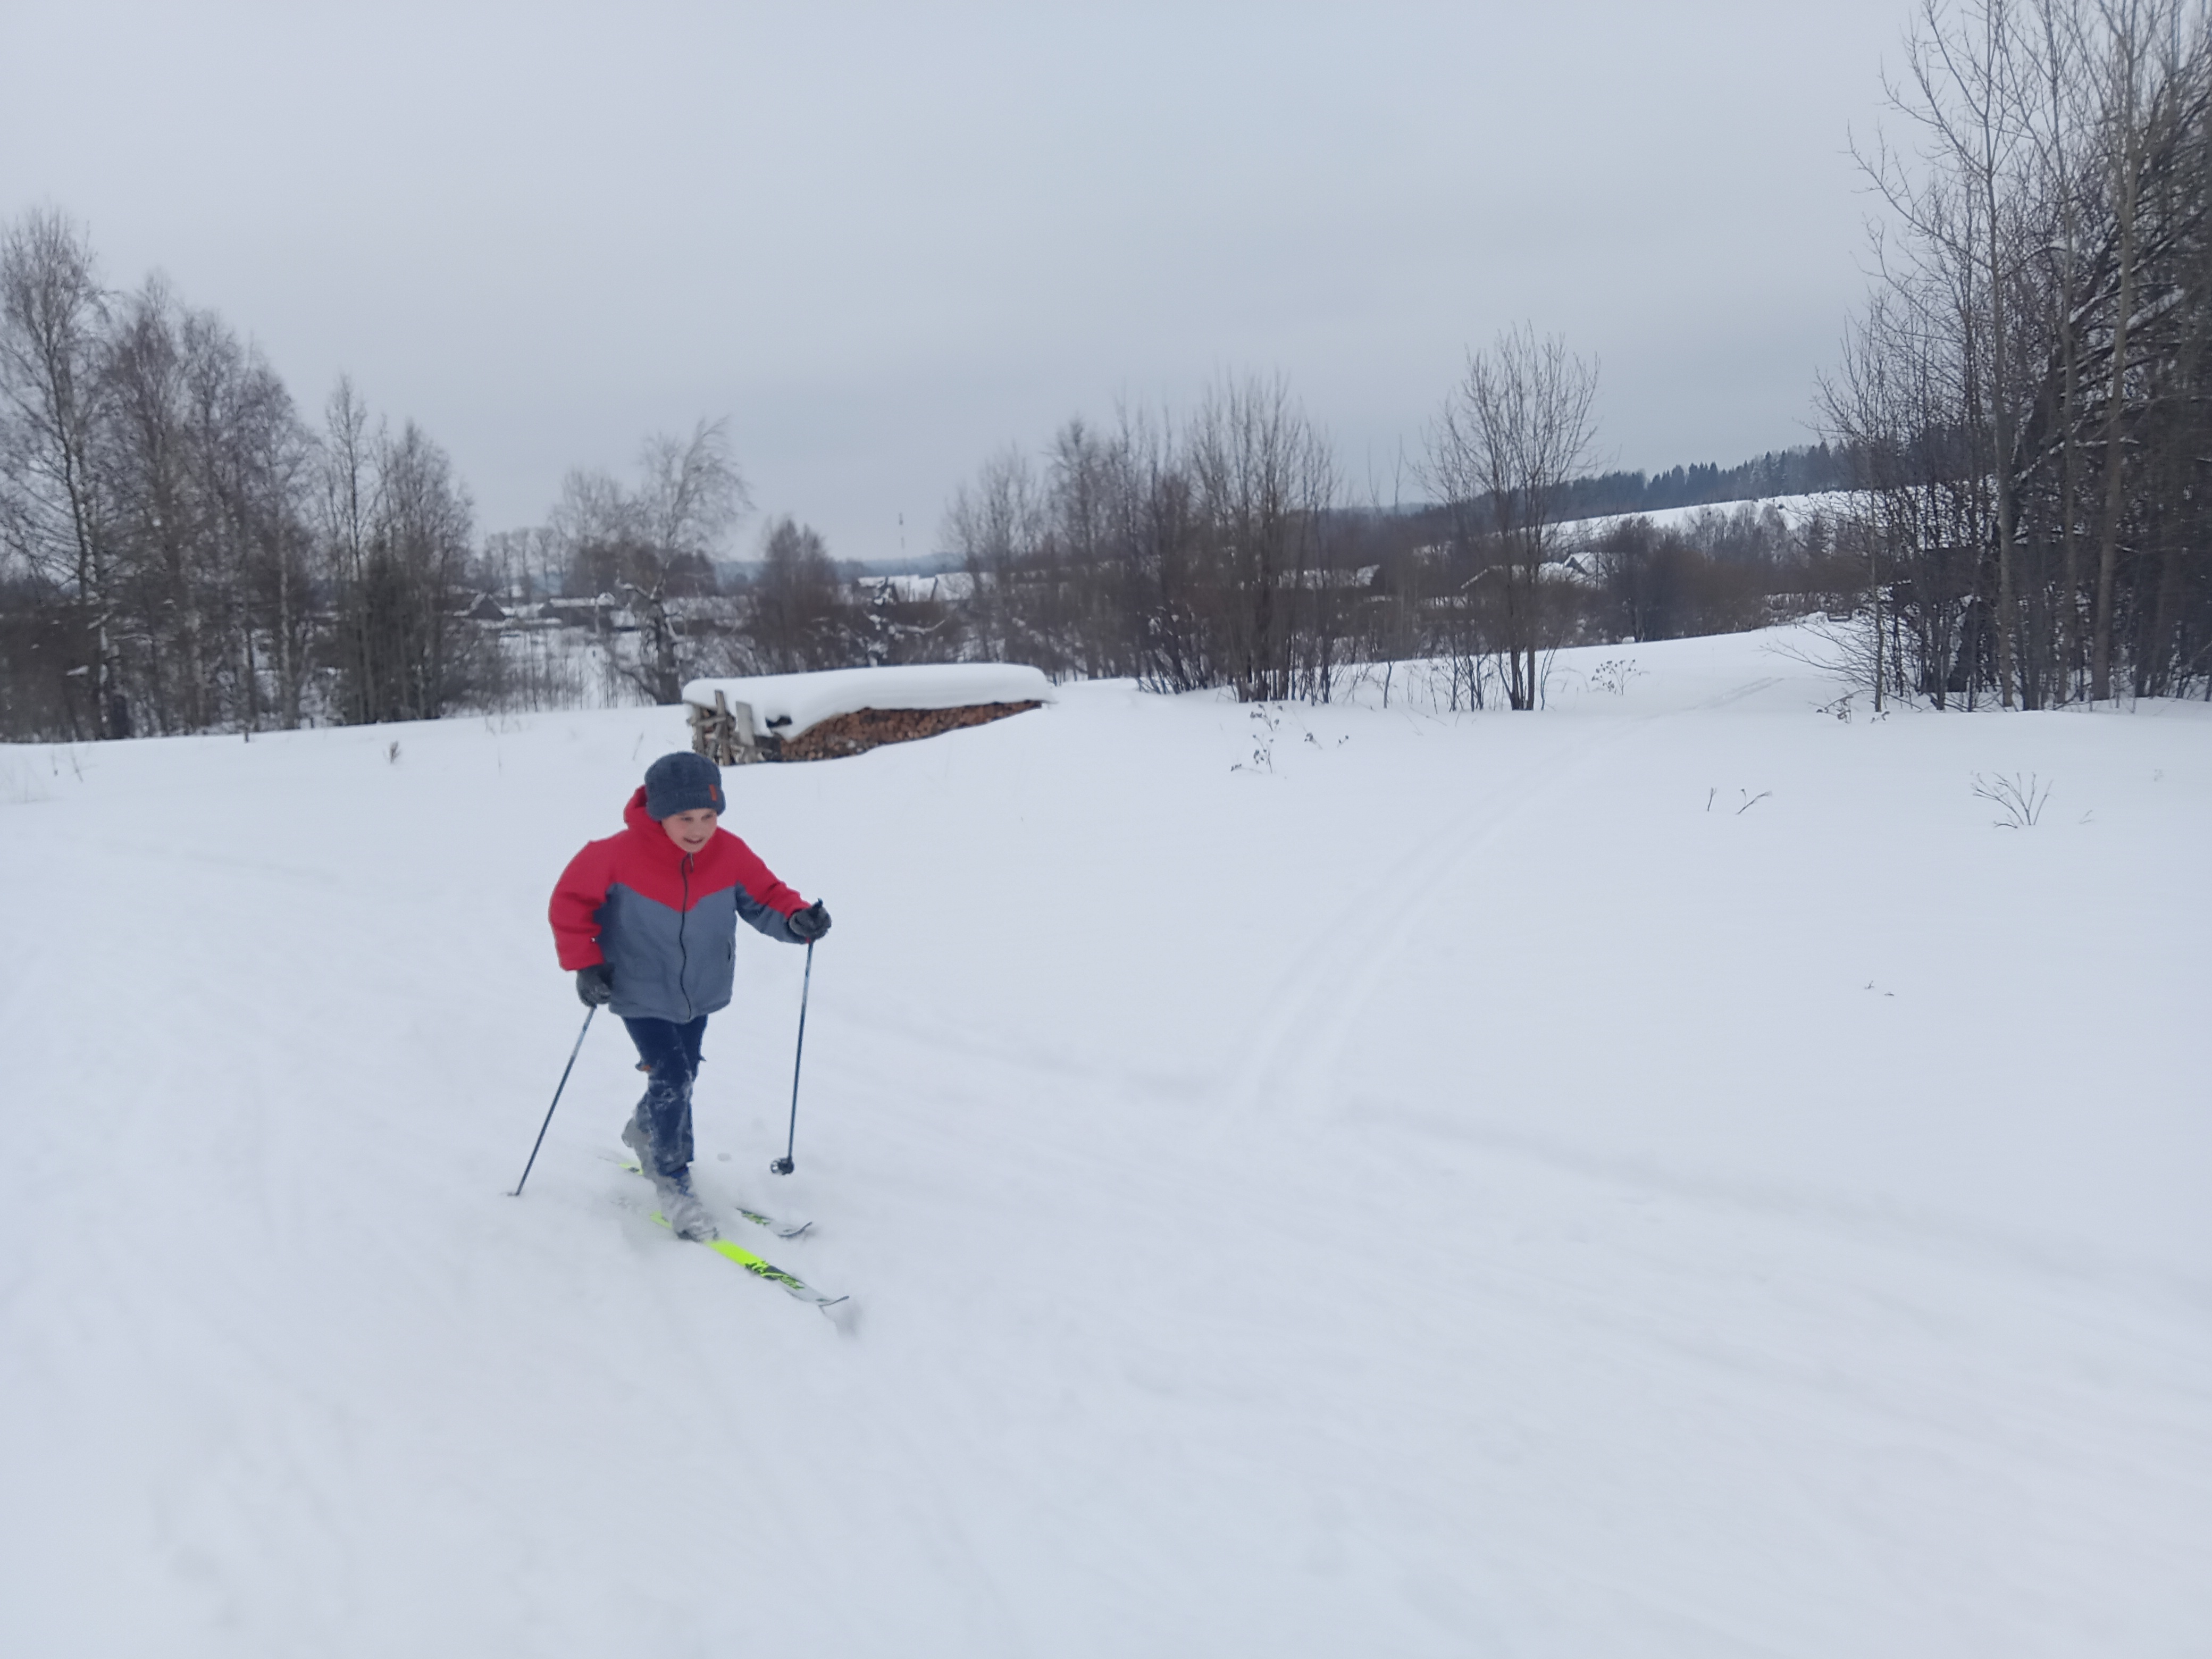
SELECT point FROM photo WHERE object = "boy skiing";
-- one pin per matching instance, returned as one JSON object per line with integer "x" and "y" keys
{"x": 647, "y": 920}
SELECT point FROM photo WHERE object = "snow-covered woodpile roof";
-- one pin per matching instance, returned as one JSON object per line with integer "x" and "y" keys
{"x": 785, "y": 705}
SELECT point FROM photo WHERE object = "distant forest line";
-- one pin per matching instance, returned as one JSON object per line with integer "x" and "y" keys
{"x": 183, "y": 549}
{"x": 1802, "y": 470}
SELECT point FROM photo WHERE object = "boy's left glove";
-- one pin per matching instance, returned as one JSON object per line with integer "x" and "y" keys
{"x": 808, "y": 924}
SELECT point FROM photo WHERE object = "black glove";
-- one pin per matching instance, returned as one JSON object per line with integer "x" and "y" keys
{"x": 595, "y": 985}
{"x": 808, "y": 924}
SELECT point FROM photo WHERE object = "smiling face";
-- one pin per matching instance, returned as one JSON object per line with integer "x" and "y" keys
{"x": 691, "y": 830}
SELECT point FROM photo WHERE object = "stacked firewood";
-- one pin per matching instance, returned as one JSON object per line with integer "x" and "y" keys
{"x": 869, "y": 728}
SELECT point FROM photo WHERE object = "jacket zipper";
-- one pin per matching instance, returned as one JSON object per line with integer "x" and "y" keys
{"x": 682, "y": 951}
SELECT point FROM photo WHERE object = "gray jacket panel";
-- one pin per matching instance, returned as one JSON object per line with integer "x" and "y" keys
{"x": 677, "y": 964}
{"x": 669, "y": 964}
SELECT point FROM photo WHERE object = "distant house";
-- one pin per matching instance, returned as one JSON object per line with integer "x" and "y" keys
{"x": 946, "y": 587}
{"x": 579, "y": 613}
{"x": 701, "y": 608}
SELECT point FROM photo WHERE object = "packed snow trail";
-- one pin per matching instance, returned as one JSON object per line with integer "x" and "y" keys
{"x": 1664, "y": 1176}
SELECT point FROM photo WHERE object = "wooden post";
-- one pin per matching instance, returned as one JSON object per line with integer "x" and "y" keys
{"x": 745, "y": 748}
{"x": 723, "y": 733}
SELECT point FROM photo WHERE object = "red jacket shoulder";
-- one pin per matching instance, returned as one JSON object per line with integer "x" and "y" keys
{"x": 735, "y": 862}
{"x": 577, "y": 896}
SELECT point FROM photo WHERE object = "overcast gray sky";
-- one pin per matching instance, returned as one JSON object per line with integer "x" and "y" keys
{"x": 886, "y": 240}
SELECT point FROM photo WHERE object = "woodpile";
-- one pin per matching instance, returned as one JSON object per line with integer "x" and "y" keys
{"x": 870, "y": 728}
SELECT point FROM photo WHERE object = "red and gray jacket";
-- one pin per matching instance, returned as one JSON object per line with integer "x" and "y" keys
{"x": 664, "y": 920}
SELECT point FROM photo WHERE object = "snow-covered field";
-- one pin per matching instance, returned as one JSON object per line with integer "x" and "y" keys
{"x": 1453, "y": 1185}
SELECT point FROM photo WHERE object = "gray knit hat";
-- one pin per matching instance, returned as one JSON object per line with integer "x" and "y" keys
{"x": 683, "y": 782}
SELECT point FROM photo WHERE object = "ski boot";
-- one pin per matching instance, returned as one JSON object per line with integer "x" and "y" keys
{"x": 686, "y": 1216}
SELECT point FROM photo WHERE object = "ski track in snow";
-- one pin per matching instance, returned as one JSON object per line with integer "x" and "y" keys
{"x": 1479, "y": 1187}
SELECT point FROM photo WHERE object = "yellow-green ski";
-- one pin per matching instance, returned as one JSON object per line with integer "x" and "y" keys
{"x": 791, "y": 1283}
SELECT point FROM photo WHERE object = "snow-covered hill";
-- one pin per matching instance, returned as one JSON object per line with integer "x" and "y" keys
{"x": 1794, "y": 510}
{"x": 1662, "y": 1177}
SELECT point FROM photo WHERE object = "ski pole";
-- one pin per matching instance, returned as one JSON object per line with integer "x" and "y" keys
{"x": 784, "y": 1165}
{"x": 558, "y": 1087}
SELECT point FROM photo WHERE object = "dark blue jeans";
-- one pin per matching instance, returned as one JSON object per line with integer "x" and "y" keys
{"x": 669, "y": 1056}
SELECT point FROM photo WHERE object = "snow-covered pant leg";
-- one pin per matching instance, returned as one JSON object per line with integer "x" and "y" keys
{"x": 670, "y": 1055}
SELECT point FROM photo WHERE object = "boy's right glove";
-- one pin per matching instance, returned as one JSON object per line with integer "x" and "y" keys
{"x": 808, "y": 924}
{"x": 595, "y": 985}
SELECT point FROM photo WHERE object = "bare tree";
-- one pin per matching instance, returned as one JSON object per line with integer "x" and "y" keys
{"x": 1166, "y": 640}
{"x": 1184, "y": 556}
{"x": 797, "y": 618}
{"x": 348, "y": 499}
{"x": 1517, "y": 427}
{"x": 145, "y": 450}
{"x": 690, "y": 493}
{"x": 202, "y": 455}
{"x": 522, "y": 565}
{"x": 2129, "y": 85}
{"x": 1264, "y": 476}
{"x": 655, "y": 543}
{"x": 1969, "y": 93}
{"x": 53, "y": 509}
{"x": 2026, "y": 384}
{"x": 997, "y": 526}
{"x": 251, "y": 453}
{"x": 418, "y": 556}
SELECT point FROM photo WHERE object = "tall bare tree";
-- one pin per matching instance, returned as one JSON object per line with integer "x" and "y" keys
{"x": 655, "y": 543}
{"x": 1517, "y": 427}
{"x": 797, "y": 620}
{"x": 997, "y": 526}
{"x": 2129, "y": 92}
{"x": 54, "y": 506}
{"x": 1969, "y": 94}
{"x": 1263, "y": 477}
{"x": 348, "y": 506}
{"x": 2040, "y": 333}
